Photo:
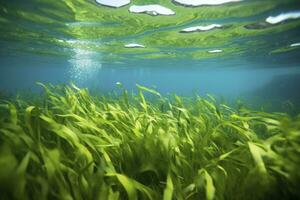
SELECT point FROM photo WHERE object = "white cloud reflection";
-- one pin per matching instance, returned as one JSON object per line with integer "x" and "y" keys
{"x": 283, "y": 17}
{"x": 295, "y": 44}
{"x": 204, "y": 2}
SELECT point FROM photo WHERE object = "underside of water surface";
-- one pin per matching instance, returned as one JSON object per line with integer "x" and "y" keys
{"x": 149, "y": 99}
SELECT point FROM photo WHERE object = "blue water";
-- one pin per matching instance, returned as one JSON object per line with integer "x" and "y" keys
{"x": 222, "y": 77}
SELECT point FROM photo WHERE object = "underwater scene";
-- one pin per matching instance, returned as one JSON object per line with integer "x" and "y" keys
{"x": 149, "y": 99}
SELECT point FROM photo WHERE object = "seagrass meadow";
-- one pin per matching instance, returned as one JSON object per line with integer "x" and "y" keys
{"x": 69, "y": 144}
{"x": 149, "y": 99}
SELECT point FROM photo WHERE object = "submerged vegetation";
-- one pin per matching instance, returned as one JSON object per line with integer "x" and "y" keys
{"x": 71, "y": 145}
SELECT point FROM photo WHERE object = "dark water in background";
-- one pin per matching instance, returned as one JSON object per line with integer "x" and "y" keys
{"x": 257, "y": 65}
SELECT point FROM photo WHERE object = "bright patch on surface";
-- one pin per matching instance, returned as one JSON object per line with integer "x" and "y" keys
{"x": 113, "y": 3}
{"x": 283, "y": 17}
{"x": 203, "y": 2}
{"x": 200, "y": 28}
{"x": 215, "y": 51}
{"x": 133, "y": 45}
{"x": 295, "y": 45}
{"x": 153, "y": 9}
{"x": 83, "y": 65}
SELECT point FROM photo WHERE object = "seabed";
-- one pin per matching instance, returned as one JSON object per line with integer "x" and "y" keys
{"x": 69, "y": 144}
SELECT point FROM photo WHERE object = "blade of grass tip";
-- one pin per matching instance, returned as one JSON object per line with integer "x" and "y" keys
{"x": 257, "y": 157}
{"x": 239, "y": 130}
{"x": 211, "y": 98}
{"x": 61, "y": 130}
{"x": 74, "y": 86}
{"x": 178, "y": 101}
{"x": 209, "y": 187}
{"x": 128, "y": 186}
{"x": 222, "y": 169}
{"x": 225, "y": 155}
{"x": 209, "y": 105}
{"x": 152, "y": 91}
{"x": 13, "y": 113}
{"x": 168, "y": 192}
{"x": 227, "y": 108}
{"x": 28, "y": 114}
{"x": 131, "y": 186}
{"x": 44, "y": 87}
{"x": 143, "y": 100}
{"x": 144, "y": 189}
{"x": 189, "y": 189}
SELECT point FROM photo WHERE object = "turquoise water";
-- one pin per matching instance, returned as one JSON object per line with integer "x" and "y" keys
{"x": 83, "y": 42}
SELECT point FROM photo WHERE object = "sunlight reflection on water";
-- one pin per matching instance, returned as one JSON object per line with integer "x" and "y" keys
{"x": 85, "y": 65}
